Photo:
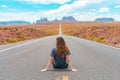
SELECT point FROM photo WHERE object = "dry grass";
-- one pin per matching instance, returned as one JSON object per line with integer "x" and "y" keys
{"x": 16, "y": 33}
{"x": 106, "y": 33}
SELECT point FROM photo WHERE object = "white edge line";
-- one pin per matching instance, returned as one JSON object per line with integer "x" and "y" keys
{"x": 22, "y": 44}
{"x": 27, "y": 42}
{"x": 98, "y": 43}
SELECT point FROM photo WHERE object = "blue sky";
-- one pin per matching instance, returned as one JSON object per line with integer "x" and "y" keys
{"x": 82, "y": 10}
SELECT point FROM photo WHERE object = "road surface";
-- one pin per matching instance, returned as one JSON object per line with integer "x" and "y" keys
{"x": 93, "y": 61}
{"x": 24, "y": 61}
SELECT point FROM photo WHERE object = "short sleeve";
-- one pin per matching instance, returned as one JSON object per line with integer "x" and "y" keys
{"x": 52, "y": 52}
{"x": 68, "y": 52}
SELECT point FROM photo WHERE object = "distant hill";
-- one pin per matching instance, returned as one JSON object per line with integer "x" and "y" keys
{"x": 104, "y": 20}
{"x": 64, "y": 19}
{"x": 13, "y": 22}
{"x": 68, "y": 19}
{"x": 42, "y": 20}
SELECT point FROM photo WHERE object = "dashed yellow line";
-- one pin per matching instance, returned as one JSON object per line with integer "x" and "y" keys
{"x": 57, "y": 78}
{"x": 63, "y": 78}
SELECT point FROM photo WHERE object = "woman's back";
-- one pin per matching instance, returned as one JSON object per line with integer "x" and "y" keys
{"x": 59, "y": 62}
{"x": 60, "y": 56}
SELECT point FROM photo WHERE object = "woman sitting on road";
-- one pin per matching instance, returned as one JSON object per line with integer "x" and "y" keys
{"x": 60, "y": 56}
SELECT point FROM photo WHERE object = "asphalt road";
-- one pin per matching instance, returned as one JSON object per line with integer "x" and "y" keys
{"x": 93, "y": 61}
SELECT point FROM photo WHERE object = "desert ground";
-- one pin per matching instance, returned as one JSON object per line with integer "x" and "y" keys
{"x": 16, "y": 33}
{"x": 102, "y": 32}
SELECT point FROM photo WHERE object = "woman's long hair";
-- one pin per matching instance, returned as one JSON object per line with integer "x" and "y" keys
{"x": 61, "y": 47}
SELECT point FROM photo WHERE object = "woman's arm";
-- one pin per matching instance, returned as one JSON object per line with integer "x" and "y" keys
{"x": 48, "y": 65}
{"x": 70, "y": 64}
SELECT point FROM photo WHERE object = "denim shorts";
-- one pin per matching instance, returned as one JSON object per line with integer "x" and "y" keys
{"x": 60, "y": 67}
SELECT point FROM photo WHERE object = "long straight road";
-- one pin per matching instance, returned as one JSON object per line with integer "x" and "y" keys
{"x": 93, "y": 61}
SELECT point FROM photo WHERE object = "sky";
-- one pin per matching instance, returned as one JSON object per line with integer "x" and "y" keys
{"x": 81, "y": 10}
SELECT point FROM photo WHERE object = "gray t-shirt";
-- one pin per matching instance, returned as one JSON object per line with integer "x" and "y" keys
{"x": 58, "y": 60}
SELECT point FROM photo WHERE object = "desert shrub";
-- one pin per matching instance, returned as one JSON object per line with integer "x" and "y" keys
{"x": 5, "y": 28}
{"x": 71, "y": 31}
{"x": 16, "y": 29}
{"x": 38, "y": 36}
{"x": 1, "y": 43}
{"x": 100, "y": 40}
{"x": 90, "y": 38}
{"x": 21, "y": 38}
{"x": 50, "y": 34}
{"x": 18, "y": 33}
{"x": 11, "y": 40}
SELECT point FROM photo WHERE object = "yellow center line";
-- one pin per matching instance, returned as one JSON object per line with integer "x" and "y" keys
{"x": 57, "y": 78}
{"x": 63, "y": 78}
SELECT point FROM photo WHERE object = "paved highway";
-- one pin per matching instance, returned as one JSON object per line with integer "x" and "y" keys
{"x": 93, "y": 61}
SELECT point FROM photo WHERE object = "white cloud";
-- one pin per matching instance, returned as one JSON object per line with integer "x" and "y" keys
{"x": 28, "y": 16}
{"x": 91, "y": 1}
{"x": 64, "y": 10}
{"x": 83, "y": 17}
{"x": 104, "y": 10}
{"x": 58, "y": 1}
{"x": 92, "y": 10}
{"x": 45, "y": 1}
{"x": 33, "y": 16}
{"x": 68, "y": 9}
{"x": 4, "y": 6}
{"x": 118, "y": 6}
